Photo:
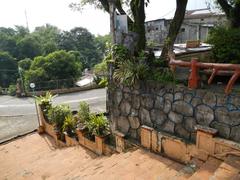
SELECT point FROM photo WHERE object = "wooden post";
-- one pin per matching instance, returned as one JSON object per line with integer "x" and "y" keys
{"x": 194, "y": 78}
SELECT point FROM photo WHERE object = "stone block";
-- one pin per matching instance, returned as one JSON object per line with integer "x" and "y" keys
{"x": 178, "y": 96}
{"x": 146, "y": 137}
{"x": 210, "y": 99}
{"x": 145, "y": 117}
{"x": 123, "y": 124}
{"x": 204, "y": 114}
{"x": 183, "y": 108}
{"x": 147, "y": 101}
{"x": 167, "y": 106}
{"x": 158, "y": 117}
{"x": 125, "y": 108}
{"x": 168, "y": 126}
{"x": 223, "y": 129}
{"x": 159, "y": 103}
{"x": 134, "y": 122}
{"x": 175, "y": 117}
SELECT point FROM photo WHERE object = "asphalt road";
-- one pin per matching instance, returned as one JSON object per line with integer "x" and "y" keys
{"x": 18, "y": 115}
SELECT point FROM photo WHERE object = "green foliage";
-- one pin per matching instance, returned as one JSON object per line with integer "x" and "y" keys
{"x": 81, "y": 40}
{"x": 84, "y": 112}
{"x": 56, "y": 65}
{"x": 100, "y": 69}
{"x": 162, "y": 75}
{"x": 129, "y": 72}
{"x": 12, "y": 90}
{"x": 25, "y": 64}
{"x": 226, "y": 44}
{"x": 103, "y": 82}
{"x": 29, "y": 47}
{"x": 69, "y": 125}
{"x": 57, "y": 115}
{"x": 8, "y": 69}
{"x": 98, "y": 125}
{"x": 45, "y": 102}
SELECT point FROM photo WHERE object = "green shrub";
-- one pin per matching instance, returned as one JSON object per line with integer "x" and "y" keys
{"x": 129, "y": 72}
{"x": 84, "y": 112}
{"x": 12, "y": 90}
{"x": 57, "y": 115}
{"x": 69, "y": 125}
{"x": 98, "y": 125}
{"x": 103, "y": 82}
{"x": 226, "y": 44}
{"x": 162, "y": 75}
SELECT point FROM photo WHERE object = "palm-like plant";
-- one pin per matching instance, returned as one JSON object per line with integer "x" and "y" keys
{"x": 98, "y": 125}
{"x": 129, "y": 72}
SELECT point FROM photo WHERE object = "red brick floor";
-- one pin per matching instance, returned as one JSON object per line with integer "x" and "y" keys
{"x": 35, "y": 157}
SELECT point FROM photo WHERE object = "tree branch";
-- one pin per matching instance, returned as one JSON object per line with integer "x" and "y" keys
{"x": 225, "y": 6}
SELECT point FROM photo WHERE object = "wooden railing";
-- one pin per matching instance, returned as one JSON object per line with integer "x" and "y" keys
{"x": 215, "y": 68}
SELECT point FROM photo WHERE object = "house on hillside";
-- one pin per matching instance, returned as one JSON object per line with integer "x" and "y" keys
{"x": 196, "y": 26}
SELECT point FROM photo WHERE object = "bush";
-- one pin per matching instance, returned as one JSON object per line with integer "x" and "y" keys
{"x": 12, "y": 90}
{"x": 98, "y": 125}
{"x": 45, "y": 102}
{"x": 83, "y": 114}
{"x": 25, "y": 64}
{"x": 57, "y": 116}
{"x": 129, "y": 72}
{"x": 226, "y": 44}
{"x": 69, "y": 125}
{"x": 162, "y": 75}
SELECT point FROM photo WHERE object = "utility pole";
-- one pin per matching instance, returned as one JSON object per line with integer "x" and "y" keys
{"x": 25, "y": 12}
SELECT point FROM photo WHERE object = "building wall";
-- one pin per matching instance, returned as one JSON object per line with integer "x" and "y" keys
{"x": 191, "y": 29}
{"x": 175, "y": 110}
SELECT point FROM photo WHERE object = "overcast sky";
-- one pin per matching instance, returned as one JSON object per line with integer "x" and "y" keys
{"x": 57, "y": 12}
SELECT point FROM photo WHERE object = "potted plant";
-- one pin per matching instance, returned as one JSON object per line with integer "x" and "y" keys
{"x": 45, "y": 103}
{"x": 69, "y": 129}
{"x": 83, "y": 117}
{"x": 57, "y": 116}
{"x": 98, "y": 126}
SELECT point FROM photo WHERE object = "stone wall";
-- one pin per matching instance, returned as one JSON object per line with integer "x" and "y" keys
{"x": 173, "y": 109}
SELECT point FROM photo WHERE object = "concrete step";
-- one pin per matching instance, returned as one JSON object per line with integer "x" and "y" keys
{"x": 228, "y": 170}
{"x": 206, "y": 170}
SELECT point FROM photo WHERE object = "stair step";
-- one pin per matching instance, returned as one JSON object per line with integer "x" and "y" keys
{"x": 229, "y": 169}
{"x": 206, "y": 170}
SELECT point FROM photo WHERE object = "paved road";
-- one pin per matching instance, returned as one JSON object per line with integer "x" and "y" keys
{"x": 18, "y": 115}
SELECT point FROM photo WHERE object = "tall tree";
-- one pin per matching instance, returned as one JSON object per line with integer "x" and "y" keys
{"x": 138, "y": 12}
{"x": 137, "y": 8}
{"x": 174, "y": 28}
{"x": 81, "y": 40}
{"x": 232, "y": 11}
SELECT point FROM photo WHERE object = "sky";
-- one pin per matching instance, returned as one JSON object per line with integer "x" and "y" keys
{"x": 57, "y": 12}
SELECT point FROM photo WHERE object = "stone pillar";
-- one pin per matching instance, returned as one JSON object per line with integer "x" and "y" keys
{"x": 120, "y": 142}
{"x": 146, "y": 137}
{"x": 99, "y": 144}
{"x": 205, "y": 138}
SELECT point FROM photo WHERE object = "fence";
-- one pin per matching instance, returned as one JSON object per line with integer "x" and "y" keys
{"x": 52, "y": 84}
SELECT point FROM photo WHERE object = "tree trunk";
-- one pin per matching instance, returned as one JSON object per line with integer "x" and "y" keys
{"x": 138, "y": 11}
{"x": 232, "y": 12}
{"x": 174, "y": 28}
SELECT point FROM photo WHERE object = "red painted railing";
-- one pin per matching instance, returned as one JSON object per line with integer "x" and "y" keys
{"x": 216, "y": 68}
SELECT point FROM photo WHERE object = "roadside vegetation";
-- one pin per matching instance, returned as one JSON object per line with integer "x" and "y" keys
{"x": 47, "y": 53}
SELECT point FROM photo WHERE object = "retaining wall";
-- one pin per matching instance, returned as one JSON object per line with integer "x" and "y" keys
{"x": 173, "y": 109}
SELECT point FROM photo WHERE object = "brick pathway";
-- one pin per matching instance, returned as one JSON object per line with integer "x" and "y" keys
{"x": 35, "y": 157}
